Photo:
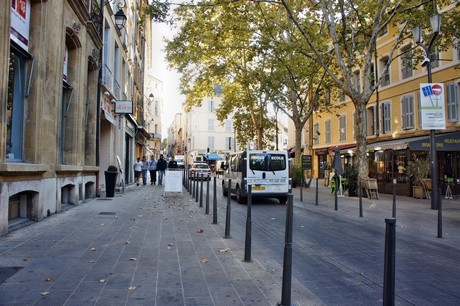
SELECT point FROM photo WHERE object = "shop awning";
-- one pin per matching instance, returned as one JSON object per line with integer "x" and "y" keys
{"x": 444, "y": 142}
{"x": 212, "y": 156}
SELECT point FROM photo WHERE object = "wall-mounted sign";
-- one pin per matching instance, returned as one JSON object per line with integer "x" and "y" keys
{"x": 20, "y": 22}
{"x": 124, "y": 107}
{"x": 432, "y": 106}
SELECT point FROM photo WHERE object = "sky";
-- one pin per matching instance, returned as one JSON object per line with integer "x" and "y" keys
{"x": 172, "y": 99}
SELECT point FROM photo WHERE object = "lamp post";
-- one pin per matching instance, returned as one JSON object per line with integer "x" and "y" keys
{"x": 435, "y": 21}
{"x": 120, "y": 17}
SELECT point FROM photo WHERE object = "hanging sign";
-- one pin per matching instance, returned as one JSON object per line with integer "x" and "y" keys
{"x": 124, "y": 107}
{"x": 432, "y": 106}
{"x": 20, "y": 22}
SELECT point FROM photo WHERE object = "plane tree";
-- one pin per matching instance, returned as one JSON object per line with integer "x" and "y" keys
{"x": 353, "y": 29}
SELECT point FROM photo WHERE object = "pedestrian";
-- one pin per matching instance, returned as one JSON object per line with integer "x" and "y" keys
{"x": 161, "y": 167}
{"x": 153, "y": 170}
{"x": 172, "y": 163}
{"x": 137, "y": 170}
{"x": 145, "y": 167}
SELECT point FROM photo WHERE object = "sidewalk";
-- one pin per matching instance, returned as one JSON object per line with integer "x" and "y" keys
{"x": 138, "y": 248}
{"x": 412, "y": 215}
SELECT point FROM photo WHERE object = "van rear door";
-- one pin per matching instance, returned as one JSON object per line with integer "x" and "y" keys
{"x": 268, "y": 172}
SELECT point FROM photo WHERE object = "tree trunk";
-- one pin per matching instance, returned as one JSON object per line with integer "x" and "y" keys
{"x": 361, "y": 135}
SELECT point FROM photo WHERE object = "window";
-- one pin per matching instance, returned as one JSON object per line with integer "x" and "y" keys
{"x": 385, "y": 71}
{"x": 452, "y": 102}
{"x": 434, "y": 58}
{"x": 316, "y": 133}
{"x": 211, "y": 142}
{"x": 211, "y": 106}
{"x": 228, "y": 125}
{"x": 371, "y": 121}
{"x": 408, "y": 112}
{"x": 386, "y": 118}
{"x": 327, "y": 131}
{"x": 342, "y": 127}
{"x": 15, "y": 107}
{"x": 211, "y": 124}
{"x": 406, "y": 62}
{"x": 357, "y": 80}
{"x": 228, "y": 143}
{"x": 267, "y": 162}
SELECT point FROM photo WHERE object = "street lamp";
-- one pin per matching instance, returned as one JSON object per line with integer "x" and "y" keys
{"x": 120, "y": 17}
{"x": 435, "y": 21}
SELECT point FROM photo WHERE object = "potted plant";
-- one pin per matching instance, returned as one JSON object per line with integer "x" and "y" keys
{"x": 110, "y": 180}
{"x": 350, "y": 176}
{"x": 296, "y": 175}
{"x": 418, "y": 170}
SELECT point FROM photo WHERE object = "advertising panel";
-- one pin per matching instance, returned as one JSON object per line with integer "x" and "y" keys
{"x": 432, "y": 106}
{"x": 20, "y": 23}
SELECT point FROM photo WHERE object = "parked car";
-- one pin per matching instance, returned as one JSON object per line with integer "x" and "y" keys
{"x": 198, "y": 169}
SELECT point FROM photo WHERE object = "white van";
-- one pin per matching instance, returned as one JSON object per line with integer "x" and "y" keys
{"x": 179, "y": 160}
{"x": 266, "y": 171}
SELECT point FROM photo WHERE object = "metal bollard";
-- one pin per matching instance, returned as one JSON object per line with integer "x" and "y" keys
{"x": 440, "y": 214}
{"x": 389, "y": 263}
{"x": 360, "y": 200}
{"x": 316, "y": 197}
{"x": 287, "y": 260}
{"x": 227, "y": 215}
{"x": 301, "y": 188}
{"x": 247, "y": 242}
{"x": 196, "y": 187}
{"x": 214, "y": 203}
{"x": 193, "y": 185}
{"x": 201, "y": 190}
{"x": 336, "y": 200}
{"x": 394, "y": 199}
{"x": 207, "y": 196}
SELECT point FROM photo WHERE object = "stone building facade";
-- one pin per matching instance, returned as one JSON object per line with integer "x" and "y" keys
{"x": 49, "y": 62}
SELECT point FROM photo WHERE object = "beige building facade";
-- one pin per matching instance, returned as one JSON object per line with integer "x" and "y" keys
{"x": 49, "y": 64}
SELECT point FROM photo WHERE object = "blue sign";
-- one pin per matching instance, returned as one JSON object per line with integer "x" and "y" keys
{"x": 427, "y": 91}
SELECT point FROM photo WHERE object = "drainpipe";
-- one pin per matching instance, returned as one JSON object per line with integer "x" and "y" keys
{"x": 98, "y": 104}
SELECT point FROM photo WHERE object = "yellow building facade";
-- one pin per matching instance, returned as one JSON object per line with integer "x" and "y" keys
{"x": 393, "y": 125}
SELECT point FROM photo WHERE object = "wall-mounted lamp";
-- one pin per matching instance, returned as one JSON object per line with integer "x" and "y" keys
{"x": 120, "y": 17}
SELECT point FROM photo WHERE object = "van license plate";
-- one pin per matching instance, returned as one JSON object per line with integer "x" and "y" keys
{"x": 258, "y": 187}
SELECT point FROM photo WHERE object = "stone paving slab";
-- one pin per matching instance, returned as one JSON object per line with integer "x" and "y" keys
{"x": 139, "y": 248}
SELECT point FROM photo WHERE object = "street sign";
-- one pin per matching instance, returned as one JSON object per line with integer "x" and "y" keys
{"x": 306, "y": 162}
{"x": 432, "y": 111}
{"x": 124, "y": 107}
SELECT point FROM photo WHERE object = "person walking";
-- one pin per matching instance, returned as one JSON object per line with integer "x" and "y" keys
{"x": 144, "y": 170}
{"x": 137, "y": 170}
{"x": 161, "y": 167}
{"x": 153, "y": 170}
{"x": 172, "y": 163}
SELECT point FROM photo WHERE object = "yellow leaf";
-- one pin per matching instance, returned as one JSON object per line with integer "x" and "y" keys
{"x": 93, "y": 249}
{"x": 200, "y": 230}
{"x": 225, "y": 250}
{"x": 48, "y": 279}
{"x": 132, "y": 288}
{"x": 102, "y": 280}
{"x": 204, "y": 260}
{"x": 45, "y": 293}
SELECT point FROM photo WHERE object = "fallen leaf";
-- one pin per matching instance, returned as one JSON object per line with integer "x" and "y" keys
{"x": 273, "y": 270}
{"x": 224, "y": 250}
{"x": 133, "y": 259}
{"x": 127, "y": 242}
{"x": 132, "y": 288}
{"x": 26, "y": 259}
{"x": 102, "y": 224}
{"x": 92, "y": 261}
{"x": 102, "y": 280}
{"x": 45, "y": 293}
{"x": 170, "y": 244}
{"x": 204, "y": 260}
{"x": 48, "y": 279}
{"x": 93, "y": 249}
{"x": 200, "y": 230}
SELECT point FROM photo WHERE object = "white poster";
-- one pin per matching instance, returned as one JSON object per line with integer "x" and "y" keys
{"x": 124, "y": 107}
{"x": 20, "y": 23}
{"x": 432, "y": 106}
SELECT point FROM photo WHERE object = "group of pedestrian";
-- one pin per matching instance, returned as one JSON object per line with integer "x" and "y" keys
{"x": 154, "y": 167}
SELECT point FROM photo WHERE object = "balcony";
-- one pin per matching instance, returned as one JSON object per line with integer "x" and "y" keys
{"x": 116, "y": 89}
{"x": 107, "y": 78}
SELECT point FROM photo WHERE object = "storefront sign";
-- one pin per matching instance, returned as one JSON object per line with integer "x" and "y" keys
{"x": 124, "y": 107}
{"x": 432, "y": 106}
{"x": 446, "y": 142}
{"x": 306, "y": 162}
{"x": 20, "y": 23}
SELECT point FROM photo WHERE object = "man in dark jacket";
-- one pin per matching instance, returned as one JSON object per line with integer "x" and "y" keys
{"x": 172, "y": 163}
{"x": 161, "y": 167}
